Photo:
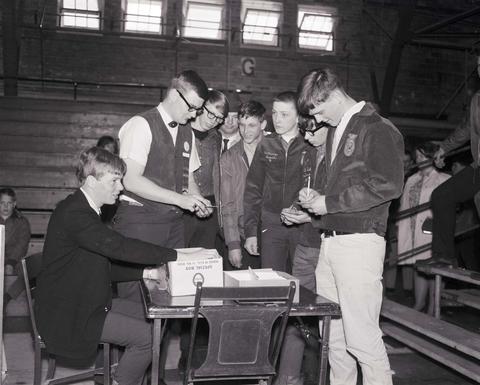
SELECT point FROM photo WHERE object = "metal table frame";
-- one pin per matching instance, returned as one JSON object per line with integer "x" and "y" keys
{"x": 160, "y": 305}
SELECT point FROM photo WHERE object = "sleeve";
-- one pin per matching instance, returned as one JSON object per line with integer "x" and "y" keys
{"x": 462, "y": 133}
{"x": 228, "y": 193}
{"x": 18, "y": 247}
{"x": 135, "y": 140}
{"x": 460, "y": 136}
{"x": 383, "y": 152}
{"x": 124, "y": 272}
{"x": 253, "y": 197}
{"x": 91, "y": 234}
{"x": 404, "y": 199}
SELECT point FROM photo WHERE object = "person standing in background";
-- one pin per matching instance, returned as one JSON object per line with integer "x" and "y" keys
{"x": 202, "y": 232}
{"x": 273, "y": 181}
{"x": 234, "y": 165}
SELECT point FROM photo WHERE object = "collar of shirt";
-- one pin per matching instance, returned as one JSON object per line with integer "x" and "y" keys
{"x": 90, "y": 201}
{"x": 343, "y": 124}
{"x": 289, "y": 136}
{"x": 167, "y": 119}
{"x": 235, "y": 138}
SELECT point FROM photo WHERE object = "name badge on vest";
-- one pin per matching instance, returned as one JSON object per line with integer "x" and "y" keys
{"x": 349, "y": 147}
{"x": 186, "y": 147}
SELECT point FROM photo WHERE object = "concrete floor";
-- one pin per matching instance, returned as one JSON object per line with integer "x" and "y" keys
{"x": 410, "y": 368}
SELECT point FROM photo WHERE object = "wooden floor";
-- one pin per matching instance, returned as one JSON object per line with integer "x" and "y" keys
{"x": 410, "y": 368}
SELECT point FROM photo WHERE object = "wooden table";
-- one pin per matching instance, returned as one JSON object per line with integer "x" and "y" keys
{"x": 160, "y": 305}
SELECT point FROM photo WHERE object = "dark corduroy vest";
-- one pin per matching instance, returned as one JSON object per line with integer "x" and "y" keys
{"x": 167, "y": 164}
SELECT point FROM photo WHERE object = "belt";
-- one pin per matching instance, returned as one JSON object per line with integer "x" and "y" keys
{"x": 333, "y": 233}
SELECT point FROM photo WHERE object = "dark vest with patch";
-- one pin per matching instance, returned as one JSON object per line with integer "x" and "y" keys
{"x": 167, "y": 164}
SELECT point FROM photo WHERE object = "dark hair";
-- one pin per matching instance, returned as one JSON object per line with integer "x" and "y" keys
{"x": 106, "y": 140}
{"x": 252, "y": 108}
{"x": 8, "y": 191}
{"x": 306, "y": 123}
{"x": 428, "y": 149}
{"x": 96, "y": 162}
{"x": 215, "y": 96}
{"x": 315, "y": 87}
{"x": 286, "y": 96}
{"x": 464, "y": 158}
{"x": 190, "y": 80}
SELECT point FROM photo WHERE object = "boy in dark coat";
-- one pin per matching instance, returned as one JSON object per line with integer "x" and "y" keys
{"x": 74, "y": 306}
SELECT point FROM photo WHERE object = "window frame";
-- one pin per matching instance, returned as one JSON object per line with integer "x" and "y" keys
{"x": 212, "y": 3}
{"x": 316, "y": 11}
{"x": 161, "y": 25}
{"x": 260, "y": 43}
{"x": 81, "y": 13}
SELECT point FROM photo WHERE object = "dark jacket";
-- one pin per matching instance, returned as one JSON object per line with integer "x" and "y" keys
{"x": 208, "y": 148}
{"x": 366, "y": 174}
{"x": 469, "y": 129}
{"x": 74, "y": 287}
{"x": 17, "y": 237}
{"x": 274, "y": 178}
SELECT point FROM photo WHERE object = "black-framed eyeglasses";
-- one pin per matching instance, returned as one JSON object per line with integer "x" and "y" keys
{"x": 211, "y": 115}
{"x": 313, "y": 127}
{"x": 198, "y": 110}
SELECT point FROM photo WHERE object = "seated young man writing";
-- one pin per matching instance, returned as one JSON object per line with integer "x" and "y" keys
{"x": 74, "y": 306}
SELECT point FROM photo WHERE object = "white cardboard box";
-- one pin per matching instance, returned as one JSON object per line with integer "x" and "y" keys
{"x": 184, "y": 275}
{"x": 259, "y": 278}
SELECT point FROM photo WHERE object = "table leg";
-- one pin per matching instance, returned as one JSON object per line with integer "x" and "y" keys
{"x": 322, "y": 377}
{"x": 437, "y": 295}
{"x": 157, "y": 340}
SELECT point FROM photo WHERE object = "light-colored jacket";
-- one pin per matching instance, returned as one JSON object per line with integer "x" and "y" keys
{"x": 410, "y": 236}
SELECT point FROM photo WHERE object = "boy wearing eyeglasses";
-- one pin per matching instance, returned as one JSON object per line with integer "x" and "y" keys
{"x": 201, "y": 232}
{"x": 161, "y": 156}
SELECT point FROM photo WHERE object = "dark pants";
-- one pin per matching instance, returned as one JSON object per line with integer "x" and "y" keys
{"x": 125, "y": 325}
{"x": 135, "y": 222}
{"x": 278, "y": 243}
{"x": 459, "y": 188}
{"x": 291, "y": 358}
{"x": 201, "y": 232}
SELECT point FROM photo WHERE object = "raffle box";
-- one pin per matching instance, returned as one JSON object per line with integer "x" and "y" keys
{"x": 183, "y": 275}
{"x": 259, "y": 278}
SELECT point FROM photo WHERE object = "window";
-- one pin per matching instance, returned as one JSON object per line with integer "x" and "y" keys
{"x": 204, "y": 20}
{"x": 315, "y": 28}
{"x": 261, "y": 21}
{"x": 143, "y": 16}
{"x": 80, "y": 14}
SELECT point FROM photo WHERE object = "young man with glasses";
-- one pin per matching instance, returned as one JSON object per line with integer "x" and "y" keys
{"x": 161, "y": 156}
{"x": 363, "y": 172}
{"x": 201, "y": 232}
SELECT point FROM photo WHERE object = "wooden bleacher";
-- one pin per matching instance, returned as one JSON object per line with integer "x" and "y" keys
{"x": 446, "y": 343}
{"x": 469, "y": 297}
{"x": 39, "y": 147}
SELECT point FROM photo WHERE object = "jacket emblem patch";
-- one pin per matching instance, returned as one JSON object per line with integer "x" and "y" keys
{"x": 271, "y": 156}
{"x": 349, "y": 147}
{"x": 186, "y": 146}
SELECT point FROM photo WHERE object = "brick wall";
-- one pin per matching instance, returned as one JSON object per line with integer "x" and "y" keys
{"x": 427, "y": 76}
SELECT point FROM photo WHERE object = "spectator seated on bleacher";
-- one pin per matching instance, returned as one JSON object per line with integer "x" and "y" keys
{"x": 17, "y": 237}
{"x": 467, "y": 243}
